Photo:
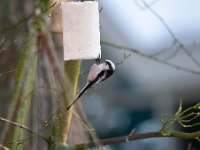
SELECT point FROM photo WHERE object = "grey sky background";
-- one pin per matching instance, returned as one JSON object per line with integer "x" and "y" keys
{"x": 142, "y": 30}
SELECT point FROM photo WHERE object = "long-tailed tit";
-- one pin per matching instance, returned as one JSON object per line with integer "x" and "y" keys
{"x": 97, "y": 74}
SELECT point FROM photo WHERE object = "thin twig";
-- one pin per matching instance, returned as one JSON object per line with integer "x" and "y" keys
{"x": 176, "y": 40}
{"x": 151, "y": 57}
{"x": 18, "y": 125}
{"x": 27, "y": 18}
{"x": 125, "y": 57}
{"x": 10, "y": 71}
{"x": 189, "y": 115}
{"x": 193, "y": 118}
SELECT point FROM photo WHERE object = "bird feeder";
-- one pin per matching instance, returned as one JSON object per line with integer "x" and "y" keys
{"x": 81, "y": 34}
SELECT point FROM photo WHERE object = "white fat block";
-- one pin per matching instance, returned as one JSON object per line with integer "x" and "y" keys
{"x": 81, "y": 34}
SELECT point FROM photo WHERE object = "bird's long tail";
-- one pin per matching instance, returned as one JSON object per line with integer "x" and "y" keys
{"x": 88, "y": 85}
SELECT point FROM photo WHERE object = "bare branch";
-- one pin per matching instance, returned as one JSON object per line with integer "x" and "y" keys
{"x": 126, "y": 56}
{"x": 152, "y": 57}
{"x": 27, "y": 18}
{"x": 132, "y": 137}
{"x": 17, "y": 125}
{"x": 176, "y": 40}
{"x": 193, "y": 118}
{"x": 10, "y": 71}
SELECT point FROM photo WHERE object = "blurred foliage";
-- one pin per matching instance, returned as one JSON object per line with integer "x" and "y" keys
{"x": 35, "y": 88}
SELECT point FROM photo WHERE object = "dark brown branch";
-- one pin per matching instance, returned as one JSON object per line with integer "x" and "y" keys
{"x": 17, "y": 125}
{"x": 133, "y": 137}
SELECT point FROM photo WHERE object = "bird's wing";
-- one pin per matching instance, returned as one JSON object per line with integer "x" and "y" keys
{"x": 94, "y": 71}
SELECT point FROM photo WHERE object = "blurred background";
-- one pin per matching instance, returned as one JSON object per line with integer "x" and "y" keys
{"x": 142, "y": 88}
{"x": 155, "y": 45}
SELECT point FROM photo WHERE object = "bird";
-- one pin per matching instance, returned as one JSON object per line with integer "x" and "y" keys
{"x": 97, "y": 74}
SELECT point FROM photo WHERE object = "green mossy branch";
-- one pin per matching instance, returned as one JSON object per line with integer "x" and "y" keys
{"x": 61, "y": 127}
{"x": 187, "y": 118}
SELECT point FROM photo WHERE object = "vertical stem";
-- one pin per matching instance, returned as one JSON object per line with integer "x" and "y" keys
{"x": 63, "y": 116}
{"x": 72, "y": 70}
